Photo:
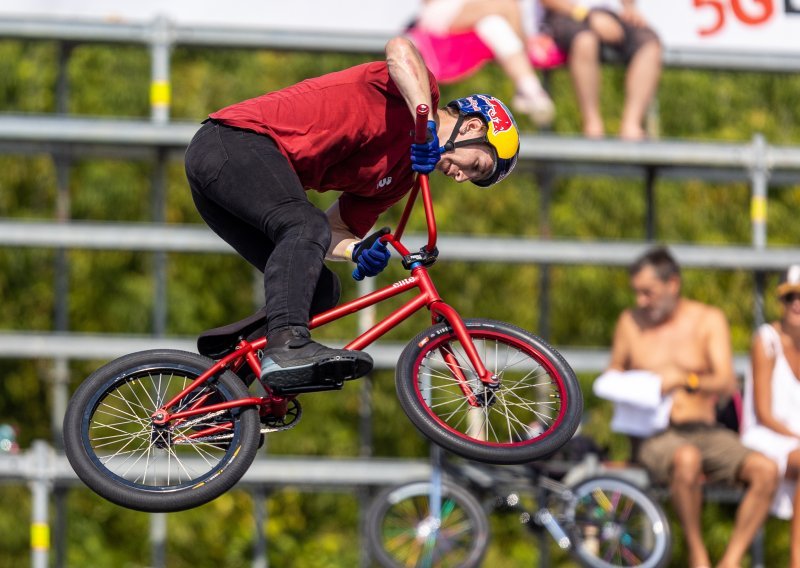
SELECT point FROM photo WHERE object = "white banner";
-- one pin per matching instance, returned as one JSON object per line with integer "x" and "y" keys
{"x": 762, "y": 26}
{"x": 749, "y": 26}
{"x": 379, "y": 16}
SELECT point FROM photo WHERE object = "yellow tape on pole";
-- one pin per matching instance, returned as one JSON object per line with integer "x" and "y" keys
{"x": 160, "y": 93}
{"x": 40, "y": 536}
{"x": 758, "y": 209}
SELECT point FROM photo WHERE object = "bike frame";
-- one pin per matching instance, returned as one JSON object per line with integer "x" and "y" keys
{"x": 427, "y": 296}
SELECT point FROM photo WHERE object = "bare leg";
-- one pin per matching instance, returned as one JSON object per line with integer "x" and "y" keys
{"x": 584, "y": 66}
{"x": 498, "y": 24}
{"x": 687, "y": 497}
{"x": 531, "y": 97}
{"x": 761, "y": 475}
{"x": 476, "y": 10}
{"x": 793, "y": 472}
{"x": 641, "y": 82}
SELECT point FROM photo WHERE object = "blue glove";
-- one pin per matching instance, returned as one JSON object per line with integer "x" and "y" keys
{"x": 424, "y": 157}
{"x": 371, "y": 255}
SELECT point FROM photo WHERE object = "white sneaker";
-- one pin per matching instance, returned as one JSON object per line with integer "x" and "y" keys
{"x": 539, "y": 108}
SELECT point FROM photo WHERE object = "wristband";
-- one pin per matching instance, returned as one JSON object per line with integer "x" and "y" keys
{"x": 692, "y": 382}
{"x": 348, "y": 252}
{"x": 579, "y": 12}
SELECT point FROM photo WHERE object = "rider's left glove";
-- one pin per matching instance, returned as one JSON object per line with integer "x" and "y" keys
{"x": 370, "y": 255}
{"x": 424, "y": 157}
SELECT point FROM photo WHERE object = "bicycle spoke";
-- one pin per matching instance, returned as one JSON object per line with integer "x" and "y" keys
{"x": 411, "y": 539}
{"x": 129, "y": 445}
{"x": 121, "y": 412}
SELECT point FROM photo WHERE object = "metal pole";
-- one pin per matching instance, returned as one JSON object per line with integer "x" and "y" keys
{"x": 260, "y": 559}
{"x": 649, "y": 186}
{"x": 160, "y": 99}
{"x": 545, "y": 178}
{"x": 158, "y": 539}
{"x": 366, "y": 319}
{"x": 160, "y": 88}
{"x": 759, "y": 173}
{"x": 757, "y": 549}
{"x": 60, "y": 375}
{"x": 160, "y": 45}
{"x": 160, "y": 257}
{"x": 40, "y": 485}
{"x": 60, "y": 494}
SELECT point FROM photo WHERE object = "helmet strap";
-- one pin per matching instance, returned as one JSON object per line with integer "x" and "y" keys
{"x": 451, "y": 143}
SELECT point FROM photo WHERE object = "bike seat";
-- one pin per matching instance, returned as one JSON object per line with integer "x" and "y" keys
{"x": 220, "y": 341}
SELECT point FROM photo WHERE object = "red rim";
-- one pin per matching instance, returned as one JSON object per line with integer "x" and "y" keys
{"x": 523, "y": 347}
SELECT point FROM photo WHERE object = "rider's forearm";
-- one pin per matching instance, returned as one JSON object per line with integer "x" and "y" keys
{"x": 342, "y": 238}
{"x": 341, "y": 246}
{"x": 408, "y": 71}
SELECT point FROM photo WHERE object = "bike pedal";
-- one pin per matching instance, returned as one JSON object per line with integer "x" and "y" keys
{"x": 324, "y": 385}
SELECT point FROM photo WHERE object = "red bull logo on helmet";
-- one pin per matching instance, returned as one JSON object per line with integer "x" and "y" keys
{"x": 501, "y": 132}
{"x": 498, "y": 114}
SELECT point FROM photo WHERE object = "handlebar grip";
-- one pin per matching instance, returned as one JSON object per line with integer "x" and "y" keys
{"x": 421, "y": 125}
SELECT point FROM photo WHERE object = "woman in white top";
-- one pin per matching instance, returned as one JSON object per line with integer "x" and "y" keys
{"x": 771, "y": 417}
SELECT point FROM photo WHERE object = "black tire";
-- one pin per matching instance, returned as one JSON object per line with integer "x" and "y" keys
{"x": 115, "y": 449}
{"x": 535, "y": 410}
{"x": 399, "y": 528}
{"x": 614, "y": 524}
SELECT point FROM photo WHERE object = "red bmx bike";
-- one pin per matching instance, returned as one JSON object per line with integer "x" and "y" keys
{"x": 167, "y": 430}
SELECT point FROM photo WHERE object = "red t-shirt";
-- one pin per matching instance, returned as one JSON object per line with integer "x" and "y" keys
{"x": 349, "y": 131}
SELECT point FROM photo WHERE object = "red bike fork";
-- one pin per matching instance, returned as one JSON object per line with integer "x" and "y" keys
{"x": 440, "y": 311}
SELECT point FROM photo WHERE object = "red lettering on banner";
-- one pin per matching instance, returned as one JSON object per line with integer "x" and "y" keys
{"x": 762, "y": 15}
{"x": 765, "y": 10}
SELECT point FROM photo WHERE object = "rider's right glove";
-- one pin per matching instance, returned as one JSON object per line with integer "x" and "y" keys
{"x": 424, "y": 157}
{"x": 371, "y": 255}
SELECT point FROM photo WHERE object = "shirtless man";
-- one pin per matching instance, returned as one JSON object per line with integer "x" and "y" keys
{"x": 688, "y": 344}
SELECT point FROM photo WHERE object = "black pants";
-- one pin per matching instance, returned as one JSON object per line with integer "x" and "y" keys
{"x": 247, "y": 192}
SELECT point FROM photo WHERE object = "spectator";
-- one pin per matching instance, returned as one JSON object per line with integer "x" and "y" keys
{"x": 586, "y": 30}
{"x": 770, "y": 421}
{"x": 499, "y": 25}
{"x": 687, "y": 344}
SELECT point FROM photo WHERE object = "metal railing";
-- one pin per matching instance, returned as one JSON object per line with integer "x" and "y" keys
{"x": 158, "y": 139}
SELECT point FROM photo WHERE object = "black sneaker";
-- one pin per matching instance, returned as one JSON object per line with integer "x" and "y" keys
{"x": 293, "y": 363}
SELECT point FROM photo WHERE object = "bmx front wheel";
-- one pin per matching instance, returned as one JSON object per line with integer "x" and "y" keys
{"x": 403, "y": 531}
{"x": 116, "y": 449}
{"x": 615, "y": 524}
{"x": 533, "y": 410}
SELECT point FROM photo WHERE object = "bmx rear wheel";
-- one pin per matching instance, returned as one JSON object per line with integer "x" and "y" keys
{"x": 117, "y": 450}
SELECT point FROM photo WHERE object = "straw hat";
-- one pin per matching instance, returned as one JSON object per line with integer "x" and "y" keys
{"x": 790, "y": 281}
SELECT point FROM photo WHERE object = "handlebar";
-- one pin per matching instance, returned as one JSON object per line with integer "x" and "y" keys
{"x": 420, "y": 136}
{"x": 421, "y": 124}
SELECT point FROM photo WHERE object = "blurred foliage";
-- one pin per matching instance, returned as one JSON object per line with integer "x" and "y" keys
{"x": 112, "y": 292}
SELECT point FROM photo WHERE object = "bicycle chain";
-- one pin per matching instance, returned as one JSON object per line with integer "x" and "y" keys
{"x": 220, "y": 437}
